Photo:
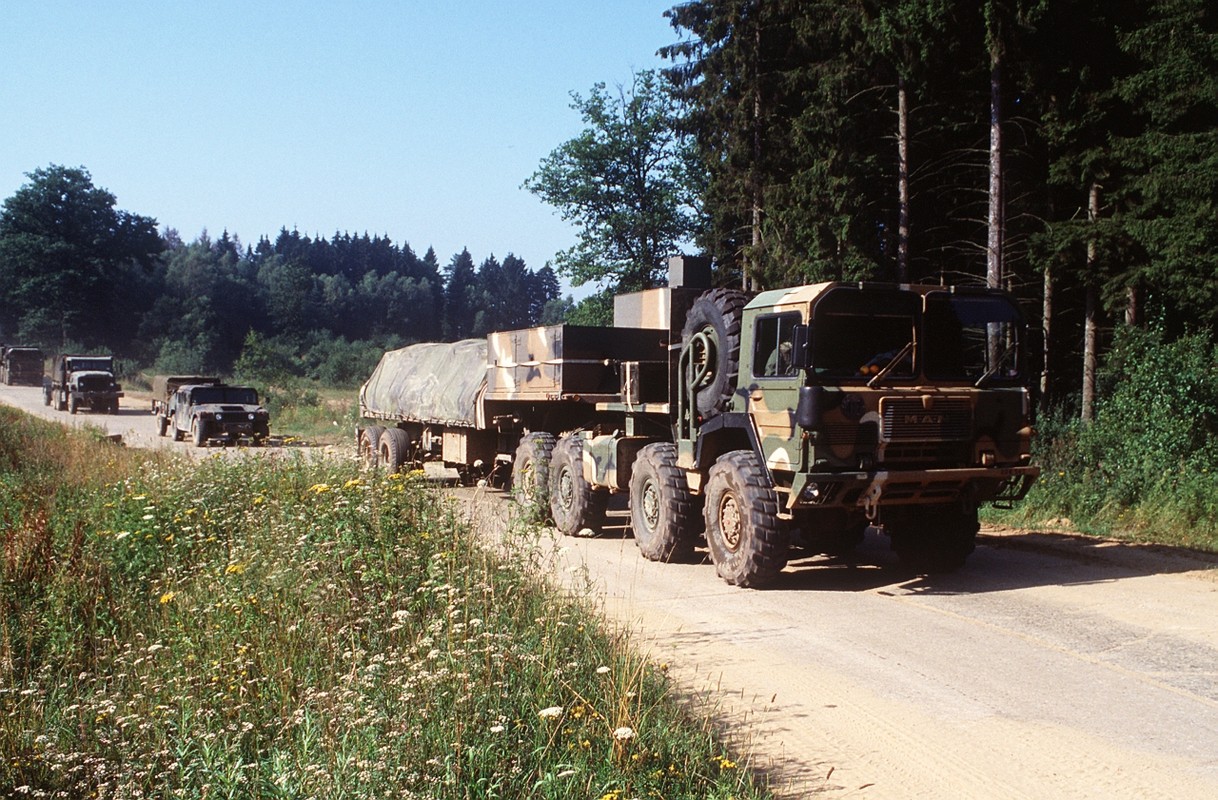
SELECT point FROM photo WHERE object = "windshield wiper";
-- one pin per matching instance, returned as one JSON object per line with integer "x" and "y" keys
{"x": 891, "y": 365}
{"x": 992, "y": 371}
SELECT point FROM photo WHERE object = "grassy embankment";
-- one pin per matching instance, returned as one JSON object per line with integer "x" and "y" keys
{"x": 282, "y": 628}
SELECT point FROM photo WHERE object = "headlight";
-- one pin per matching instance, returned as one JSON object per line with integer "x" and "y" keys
{"x": 219, "y": 417}
{"x": 251, "y": 417}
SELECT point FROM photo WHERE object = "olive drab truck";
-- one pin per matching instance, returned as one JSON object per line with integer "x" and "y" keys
{"x": 747, "y": 424}
{"x": 82, "y": 381}
{"x": 20, "y": 365}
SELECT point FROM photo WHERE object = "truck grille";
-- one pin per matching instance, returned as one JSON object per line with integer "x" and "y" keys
{"x": 905, "y": 420}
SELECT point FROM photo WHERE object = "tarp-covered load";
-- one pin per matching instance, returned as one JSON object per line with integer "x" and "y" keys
{"x": 433, "y": 383}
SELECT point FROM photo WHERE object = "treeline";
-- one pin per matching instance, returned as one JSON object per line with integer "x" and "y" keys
{"x": 76, "y": 273}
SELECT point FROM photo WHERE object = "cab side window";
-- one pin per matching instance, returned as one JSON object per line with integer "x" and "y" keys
{"x": 772, "y": 344}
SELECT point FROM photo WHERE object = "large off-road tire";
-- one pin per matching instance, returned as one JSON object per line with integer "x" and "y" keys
{"x": 933, "y": 539}
{"x": 162, "y": 424}
{"x": 392, "y": 449}
{"x": 46, "y": 397}
{"x": 666, "y": 519}
{"x": 367, "y": 443}
{"x": 748, "y": 542}
{"x": 531, "y": 475}
{"x": 61, "y": 403}
{"x": 711, "y": 341}
{"x": 198, "y": 432}
{"x": 574, "y": 503}
{"x": 73, "y": 404}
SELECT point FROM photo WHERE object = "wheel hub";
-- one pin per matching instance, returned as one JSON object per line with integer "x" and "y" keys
{"x": 729, "y": 522}
{"x": 566, "y": 490}
{"x": 651, "y": 506}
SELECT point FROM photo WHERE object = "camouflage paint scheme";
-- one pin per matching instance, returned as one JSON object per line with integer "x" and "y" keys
{"x": 914, "y": 441}
{"x": 432, "y": 383}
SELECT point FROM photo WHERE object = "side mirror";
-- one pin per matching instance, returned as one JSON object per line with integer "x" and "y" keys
{"x": 807, "y": 410}
{"x": 801, "y": 340}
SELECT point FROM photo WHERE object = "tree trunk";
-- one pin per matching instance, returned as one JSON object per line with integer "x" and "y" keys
{"x": 994, "y": 219}
{"x": 1133, "y": 305}
{"x": 1046, "y": 324}
{"x": 902, "y": 183}
{"x": 1092, "y": 312}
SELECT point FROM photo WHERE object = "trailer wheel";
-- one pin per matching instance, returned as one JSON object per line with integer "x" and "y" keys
{"x": 162, "y": 424}
{"x": 663, "y": 514}
{"x": 198, "y": 432}
{"x": 367, "y": 444}
{"x": 711, "y": 342}
{"x": 575, "y": 503}
{"x": 747, "y": 540}
{"x": 531, "y": 475}
{"x": 933, "y": 539}
{"x": 46, "y": 397}
{"x": 392, "y": 448}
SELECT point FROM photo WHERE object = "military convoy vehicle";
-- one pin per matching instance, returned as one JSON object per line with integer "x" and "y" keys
{"x": 20, "y": 365}
{"x": 214, "y": 412}
{"x": 80, "y": 381}
{"x": 757, "y": 423}
{"x": 163, "y": 389}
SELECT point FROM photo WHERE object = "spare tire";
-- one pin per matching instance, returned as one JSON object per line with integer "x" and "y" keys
{"x": 711, "y": 343}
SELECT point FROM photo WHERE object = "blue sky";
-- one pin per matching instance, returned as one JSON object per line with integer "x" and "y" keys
{"x": 415, "y": 120}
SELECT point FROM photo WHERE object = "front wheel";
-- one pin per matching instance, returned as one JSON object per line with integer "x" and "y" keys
{"x": 747, "y": 540}
{"x": 575, "y": 503}
{"x": 198, "y": 431}
{"x": 663, "y": 514}
{"x": 162, "y": 425}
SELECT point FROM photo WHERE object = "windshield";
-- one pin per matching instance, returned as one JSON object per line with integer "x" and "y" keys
{"x": 858, "y": 333}
{"x": 90, "y": 364}
{"x": 974, "y": 338}
{"x": 230, "y": 395}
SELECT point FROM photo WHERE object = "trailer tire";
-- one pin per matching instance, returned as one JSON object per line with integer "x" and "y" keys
{"x": 367, "y": 443}
{"x": 663, "y": 514}
{"x": 46, "y": 397}
{"x": 575, "y": 504}
{"x": 531, "y": 475}
{"x": 162, "y": 424}
{"x": 748, "y": 542}
{"x": 711, "y": 340}
{"x": 392, "y": 449}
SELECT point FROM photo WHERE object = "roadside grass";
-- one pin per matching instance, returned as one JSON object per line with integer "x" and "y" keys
{"x": 292, "y": 628}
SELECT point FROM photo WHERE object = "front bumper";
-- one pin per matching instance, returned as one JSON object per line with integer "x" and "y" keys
{"x": 871, "y": 489}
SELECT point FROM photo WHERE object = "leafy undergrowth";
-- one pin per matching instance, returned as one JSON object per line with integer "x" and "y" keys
{"x": 285, "y": 628}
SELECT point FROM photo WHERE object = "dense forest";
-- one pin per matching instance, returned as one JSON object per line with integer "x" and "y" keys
{"x": 78, "y": 273}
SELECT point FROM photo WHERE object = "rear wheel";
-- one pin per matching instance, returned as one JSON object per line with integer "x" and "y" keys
{"x": 747, "y": 540}
{"x": 531, "y": 474}
{"x": 392, "y": 448}
{"x": 575, "y": 503}
{"x": 663, "y": 514}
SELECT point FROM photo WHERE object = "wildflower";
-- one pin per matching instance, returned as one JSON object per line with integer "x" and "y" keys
{"x": 168, "y": 597}
{"x": 259, "y": 499}
{"x": 623, "y": 734}
{"x": 602, "y": 670}
{"x": 498, "y": 729}
{"x": 319, "y": 488}
{"x": 353, "y": 483}
{"x": 553, "y": 712}
{"x": 234, "y": 569}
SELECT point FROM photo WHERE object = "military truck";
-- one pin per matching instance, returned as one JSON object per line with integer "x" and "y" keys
{"x": 163, "y": 388}
{"x": 81, "y": 381}
{"x": 754, "y": 423}
{"x": 217, "y": 412}
{"x": 21, "y": 365}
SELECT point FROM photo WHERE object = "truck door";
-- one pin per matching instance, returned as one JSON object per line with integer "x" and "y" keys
{"x": 774, "y": 388}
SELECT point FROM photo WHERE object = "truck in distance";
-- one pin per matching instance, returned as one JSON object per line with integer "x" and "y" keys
{"x": 21, "y": 365}
{"x": 82, "y": 381}
{"x": 217, "y": 412}
{"x": 747, "y": 424}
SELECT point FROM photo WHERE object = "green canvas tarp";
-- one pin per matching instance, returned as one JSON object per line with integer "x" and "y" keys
{"x": 434, "y": 383}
